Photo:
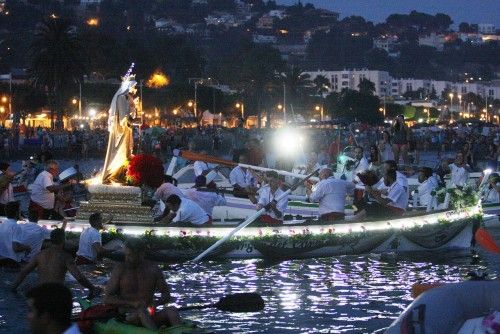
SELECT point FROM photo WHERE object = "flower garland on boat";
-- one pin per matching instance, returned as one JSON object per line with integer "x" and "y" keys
{"x": 459, "y": 198}
{"x": 145, "y": 170}
{"x": 298, "y": 238}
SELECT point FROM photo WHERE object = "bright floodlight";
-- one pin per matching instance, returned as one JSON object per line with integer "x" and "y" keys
{"x": 288, "y": 141}
{"x": 92, "y": 112}
{"x": 487, "y": 171}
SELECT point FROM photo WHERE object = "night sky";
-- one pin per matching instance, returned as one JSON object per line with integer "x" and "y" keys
{"x": 471, "y": 11}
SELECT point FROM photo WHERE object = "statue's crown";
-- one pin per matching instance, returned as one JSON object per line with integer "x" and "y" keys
{"x": 129, "y": 76}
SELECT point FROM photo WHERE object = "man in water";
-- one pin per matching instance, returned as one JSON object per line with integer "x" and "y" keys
{"x": 90, "y": 243}
{"x": 132, "y": 286}
{"x": 53, "y": 263}
{"x": 49, "y": 309}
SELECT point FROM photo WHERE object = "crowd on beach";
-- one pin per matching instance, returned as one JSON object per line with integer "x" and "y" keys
{"x": 380, "y": 160}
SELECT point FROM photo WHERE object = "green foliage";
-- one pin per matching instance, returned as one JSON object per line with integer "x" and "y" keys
{"x": 355, "y": 105}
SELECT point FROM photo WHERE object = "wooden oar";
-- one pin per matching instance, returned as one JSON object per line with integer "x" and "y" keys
{"x": 193, "y": 156}
{"x": 485, "y": 239}
{"x": 238, "y": 302}
{"x": 248, "y": 221}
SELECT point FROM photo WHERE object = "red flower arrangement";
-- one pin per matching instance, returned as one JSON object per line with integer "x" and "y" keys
{"x": 144, "y": 169}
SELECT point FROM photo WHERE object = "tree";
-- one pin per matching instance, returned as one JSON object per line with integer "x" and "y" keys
{"x": 321, "y": 85}
{"x": 57, "y": 62}
{"x": 367, "y": 87}
{"x": 354, "y": 105}
{"x": 296, "y": 82}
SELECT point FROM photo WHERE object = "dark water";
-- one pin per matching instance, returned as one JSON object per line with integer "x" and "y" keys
{"x": 350, "y": 294}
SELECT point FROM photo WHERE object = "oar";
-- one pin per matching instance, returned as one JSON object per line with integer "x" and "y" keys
{"x": 193, "y": 156}
{"x": 485, "y": 239}
{"x": 249, "y": 220}
{"x": 238, "y": 302}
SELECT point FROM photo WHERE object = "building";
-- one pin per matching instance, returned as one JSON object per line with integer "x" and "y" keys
{"x": 486, "y": 28}
{"x": 265, "y": 22}
{"x": 433, "y": 40}
{"x": 350, "y": 79}
{"x": 264, "y": 39}
{"x": 387, "y": 43}
{"x": 277, "y": 13}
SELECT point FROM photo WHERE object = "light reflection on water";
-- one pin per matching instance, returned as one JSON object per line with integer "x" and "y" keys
{"x": 350, "y": 294}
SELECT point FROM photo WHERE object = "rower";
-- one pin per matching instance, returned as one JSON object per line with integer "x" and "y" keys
{"x": 427, "y": 184}
{"x": 394, "y": 205}
{"x": 361, "y": 163}
{"x": 168, "y": 187}
{"x": 491, "y": 193}
{"x": 201, "y": 167}
{"x": 205, "y": 199}
{"x": 331, "y": 194}
{"x": 243, "y": 181}
{"x": 132, "y": 286}
{"x": 400, "y": 177}
{"x": 43, "y": 190}
{"x": 185, "y": 210}
{"x": 49, "y": 309}
{"x": 53, "y": 263}
{"x": 6, "y": 189}
{"x": 268, "y": 194}
{"x": 459, "y": 171}
{"x": 11, "y": 251}
{"x": 90, "y": 244}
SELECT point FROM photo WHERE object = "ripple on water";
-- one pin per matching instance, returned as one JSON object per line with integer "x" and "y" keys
{"x": 348, "y": 294}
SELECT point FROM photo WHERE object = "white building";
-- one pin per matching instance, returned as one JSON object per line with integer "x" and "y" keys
{"x": 486, "y": 28}
{"x": 433, "y": 40}
{"x": 264, "y": 39}
{"x": 350, "y": 79}
{"x": 277, "y": 13}
{"x": 385, "y": 43}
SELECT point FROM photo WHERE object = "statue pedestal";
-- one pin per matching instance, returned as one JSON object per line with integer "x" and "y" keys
{"x": 123, "y": 202}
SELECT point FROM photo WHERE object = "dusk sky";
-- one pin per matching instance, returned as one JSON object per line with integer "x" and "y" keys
{"x": 472, "y": 11}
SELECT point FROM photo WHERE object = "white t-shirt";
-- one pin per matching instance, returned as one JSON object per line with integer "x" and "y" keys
{"x": 165, "y": 190}
{"x": 242, "y": 178}
{"x": 491, "y": 195}
{"x": 459, "y": 176}
{"x": 330, "y": 194}
{"x": 8, "y": 230}
{"x": 39, "y": 192}
{"x": 199, "y": 167}
{"x": 33, "y": 235}
{"x": 88, "y": 238}
{"x": 266, "y": 197}
{"x": 190, "y": 212}
{"x": 205, "y": 199}
{"x": 398, "y": 196}
{"x": 425, "y": 189}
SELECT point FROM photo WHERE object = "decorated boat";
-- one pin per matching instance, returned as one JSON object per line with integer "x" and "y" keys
{"x": 298, "y": 238}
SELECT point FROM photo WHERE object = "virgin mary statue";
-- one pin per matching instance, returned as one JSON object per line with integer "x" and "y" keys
{"x": 120, "y": 143}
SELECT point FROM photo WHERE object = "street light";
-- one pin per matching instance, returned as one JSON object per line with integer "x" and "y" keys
{"x": 5, "y": 99}
{"x": 280, "y": 107}
{"x": 74, "y": 101}
{"x": 242, "y": 106}
{"x": 190, "y": 104}
{"x": 427, "y": 111}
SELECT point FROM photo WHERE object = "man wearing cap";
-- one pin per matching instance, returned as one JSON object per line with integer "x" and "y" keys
{"x": 43, "y": 190}
{"x": 206, "y": 198}
{"x": 6, "y": 189}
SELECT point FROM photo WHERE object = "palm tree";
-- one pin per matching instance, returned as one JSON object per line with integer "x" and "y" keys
{"x": 295, "y": 82}
{"x": 321, "y": 85}
{"x": 57, "y": 62}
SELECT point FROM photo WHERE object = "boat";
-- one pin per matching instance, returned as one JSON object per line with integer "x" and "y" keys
{"x": 451, "y": 308}
{"x": 113, "y": 326}
{"x": 303, "y": 238}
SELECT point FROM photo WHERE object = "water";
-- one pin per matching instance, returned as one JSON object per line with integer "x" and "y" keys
{"x": 349, "y": 294}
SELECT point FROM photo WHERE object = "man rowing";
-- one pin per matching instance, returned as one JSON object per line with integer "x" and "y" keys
{"x": 132, "y": 287}
{"x": 268, "y": 199}
{"x": 53, "y": 263}
{"x": 206, "y": 198}
{"x": 331, "y": 194}
{"x": 243, "y": 181}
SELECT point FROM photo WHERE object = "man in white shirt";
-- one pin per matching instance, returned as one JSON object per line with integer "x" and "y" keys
{"x": 11, "y": 251}
{"x": 185, "y": 210}
{"x": 268, "y": 199}
{"x": 6, "y": 189}
{"x": 243, "y": 181}
{"x": 400, "y": 177}
{"x": 331, "y": 194}
{"x": 31, "y": 235}
{"x": 207, "y": 199}
{"x": 459, "y": 172}
{"x": 90, "y": 244}
{"x": 427, "y": 184}
{"x": 201, "y": 168}
{"x": 361, "y": 164}
{"x": 43, "y": 190}
{"x": 393, "y": 205}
